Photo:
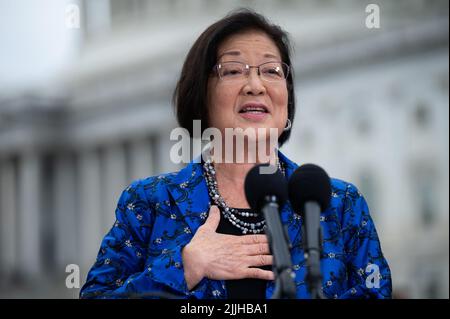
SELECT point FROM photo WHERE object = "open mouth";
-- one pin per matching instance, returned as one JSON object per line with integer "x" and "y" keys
{"x": 254, "y": 109}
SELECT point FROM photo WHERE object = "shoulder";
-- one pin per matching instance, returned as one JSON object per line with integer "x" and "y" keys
{"x": 346, "y": 197}
{"x": 151, "y": 188}
{"x": 342, "y": 188}
{"x": 350, "y": 205}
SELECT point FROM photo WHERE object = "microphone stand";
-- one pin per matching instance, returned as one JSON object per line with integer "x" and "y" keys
{"x": 313, "y": 247}
{"x": 278, "y": 242}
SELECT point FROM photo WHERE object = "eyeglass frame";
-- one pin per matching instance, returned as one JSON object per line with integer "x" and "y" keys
{"x": 248, "y": 67}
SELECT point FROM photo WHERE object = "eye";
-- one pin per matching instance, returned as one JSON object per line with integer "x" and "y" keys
{"x": 273, "y": 71}
{"x": 231, "y": 70}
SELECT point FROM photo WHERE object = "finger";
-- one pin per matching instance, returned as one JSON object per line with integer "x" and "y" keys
{"x": 253, "y": 239}
{"x": 257, "y": 249}
{"x": 260, "y": 260}
{"x": 259, "y": 273}
{"x": 213, "y": 218}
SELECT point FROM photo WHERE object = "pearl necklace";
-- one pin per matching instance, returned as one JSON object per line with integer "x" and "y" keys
{"x": 231, "y": 214}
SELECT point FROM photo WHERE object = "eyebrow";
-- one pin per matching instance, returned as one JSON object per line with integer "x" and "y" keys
{"x": 237, "y": 53}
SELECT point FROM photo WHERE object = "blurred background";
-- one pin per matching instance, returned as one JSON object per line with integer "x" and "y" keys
{"x": 85, "y": 108}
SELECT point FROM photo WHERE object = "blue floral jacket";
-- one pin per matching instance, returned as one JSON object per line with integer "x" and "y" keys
{"x": 157, "y": 216}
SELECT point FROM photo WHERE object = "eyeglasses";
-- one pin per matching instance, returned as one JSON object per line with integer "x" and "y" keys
{"x": 237, "y": 71}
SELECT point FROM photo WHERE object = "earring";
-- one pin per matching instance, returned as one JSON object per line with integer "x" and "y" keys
{"x": 288, "y": 126}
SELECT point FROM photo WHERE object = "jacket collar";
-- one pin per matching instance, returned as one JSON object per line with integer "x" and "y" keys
{"x": 190, "y": 193}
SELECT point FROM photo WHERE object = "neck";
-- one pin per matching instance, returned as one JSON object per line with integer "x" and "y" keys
{"x": 237, "y": 171}
{"x": 233, "y": 171}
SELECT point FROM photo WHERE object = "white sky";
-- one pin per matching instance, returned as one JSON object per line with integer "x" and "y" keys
{"x": 35, "y": 43}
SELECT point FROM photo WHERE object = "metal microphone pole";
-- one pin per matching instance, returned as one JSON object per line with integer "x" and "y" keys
{"x": 313, "y": 247}
{"x": 278, "y": 241}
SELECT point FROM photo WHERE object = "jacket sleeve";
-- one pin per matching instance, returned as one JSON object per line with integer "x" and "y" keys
{"x": 369, "y": 275}
{"x": 126, "y": 267}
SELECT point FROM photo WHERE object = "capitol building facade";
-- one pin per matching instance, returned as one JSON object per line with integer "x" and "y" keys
{"x": 372, "y": 109}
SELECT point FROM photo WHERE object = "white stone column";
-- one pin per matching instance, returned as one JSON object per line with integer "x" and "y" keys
{"x": 141, "y": 160}
{"x": 65, "y": 197}
{"x": 29, "y": 217}
{"x": 90, "y": 234}
{"x": 8, "y": 220}
{"x": 114, "y": 181}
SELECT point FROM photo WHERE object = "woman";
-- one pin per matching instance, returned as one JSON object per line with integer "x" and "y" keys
{"x": 191, "y": 234}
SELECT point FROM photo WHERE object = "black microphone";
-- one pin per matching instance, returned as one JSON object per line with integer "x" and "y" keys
{"x": 267, "y": 193}
{"x": 309, "y": 194}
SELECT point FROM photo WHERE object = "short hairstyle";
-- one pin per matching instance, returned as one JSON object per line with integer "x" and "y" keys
{"x": 190, "y": 95}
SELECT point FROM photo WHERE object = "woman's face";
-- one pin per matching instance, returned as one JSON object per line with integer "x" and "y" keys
{"x": 228, "y": 100}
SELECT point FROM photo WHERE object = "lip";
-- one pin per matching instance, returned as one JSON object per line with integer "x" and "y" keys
{"x": 254, "y": 116}
{"x": 253, "y": 104}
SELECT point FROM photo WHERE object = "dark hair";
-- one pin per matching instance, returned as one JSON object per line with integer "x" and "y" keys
{"x": 190, "y": 95}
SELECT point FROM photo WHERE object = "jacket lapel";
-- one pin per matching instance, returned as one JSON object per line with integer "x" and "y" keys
{"x": 189, "y": 191}
{"x": 190, "y": 194}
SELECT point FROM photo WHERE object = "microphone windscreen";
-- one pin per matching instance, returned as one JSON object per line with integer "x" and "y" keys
{"x": 259, "y": 184}
{"x": 309, "y": 182}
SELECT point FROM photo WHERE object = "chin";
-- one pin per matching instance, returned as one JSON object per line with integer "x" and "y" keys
{"x": 250, "y": 129}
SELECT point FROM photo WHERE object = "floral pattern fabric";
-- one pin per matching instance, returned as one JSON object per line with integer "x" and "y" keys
{"x": 157, "y": 216}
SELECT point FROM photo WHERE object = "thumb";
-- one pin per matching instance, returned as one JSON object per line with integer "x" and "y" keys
{"x": 213, "y": 218}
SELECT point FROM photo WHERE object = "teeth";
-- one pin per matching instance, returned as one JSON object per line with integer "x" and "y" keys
{"x": 253, "y": 109}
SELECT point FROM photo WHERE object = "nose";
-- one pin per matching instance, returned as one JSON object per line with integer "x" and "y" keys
{"x": 254, "y": 84}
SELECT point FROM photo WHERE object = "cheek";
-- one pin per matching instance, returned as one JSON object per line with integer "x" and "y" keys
{"x": 221, "y": 103}
{"x": 280, "y": 101}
